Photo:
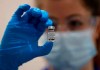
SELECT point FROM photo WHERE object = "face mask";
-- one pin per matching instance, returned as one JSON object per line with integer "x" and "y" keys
{"x": 72, "y": 50}
{"x": 80, "y": 48}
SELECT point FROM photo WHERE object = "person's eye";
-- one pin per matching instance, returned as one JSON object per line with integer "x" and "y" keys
{"x": 75, "y": 23}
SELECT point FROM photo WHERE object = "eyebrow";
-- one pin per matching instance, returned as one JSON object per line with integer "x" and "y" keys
{"x": 72, "y": 16}
{"x": 68, "y": 18}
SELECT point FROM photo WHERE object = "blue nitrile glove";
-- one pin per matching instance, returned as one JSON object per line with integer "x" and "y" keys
{"x": 20, "y": 40}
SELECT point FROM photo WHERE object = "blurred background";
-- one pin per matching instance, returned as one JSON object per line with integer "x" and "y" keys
{"x": 7, "y": 8}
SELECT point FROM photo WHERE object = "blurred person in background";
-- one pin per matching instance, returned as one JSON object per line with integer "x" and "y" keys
{"x": 75, "y": 21}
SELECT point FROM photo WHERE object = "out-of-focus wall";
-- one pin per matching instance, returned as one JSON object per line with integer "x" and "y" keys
{"x": 7, "y": 7}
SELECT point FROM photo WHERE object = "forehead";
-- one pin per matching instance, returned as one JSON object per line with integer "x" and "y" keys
{"x": 64, "y": 7}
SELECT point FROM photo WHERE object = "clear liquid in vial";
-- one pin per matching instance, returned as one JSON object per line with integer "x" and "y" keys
{"x": 51, "y": 34}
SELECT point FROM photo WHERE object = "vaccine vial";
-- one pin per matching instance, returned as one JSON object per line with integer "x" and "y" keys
{"x": 51, "y": 34}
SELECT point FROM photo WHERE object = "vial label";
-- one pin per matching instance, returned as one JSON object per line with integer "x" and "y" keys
{"x": 51, "y": 33}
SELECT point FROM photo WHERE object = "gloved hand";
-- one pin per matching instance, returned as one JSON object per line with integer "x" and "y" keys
{"x": 20, "y": 40}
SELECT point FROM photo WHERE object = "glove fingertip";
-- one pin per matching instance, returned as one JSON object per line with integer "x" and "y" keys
{"x": 49, "y": 22}
{"x": 48, "y": 43}
{"x": 24, "y": 7}
{"x": 44, "y": 16}
{"x": 48, "y": 47}
{"x": 21, "y": 9}
{"x": 36, "y": 12}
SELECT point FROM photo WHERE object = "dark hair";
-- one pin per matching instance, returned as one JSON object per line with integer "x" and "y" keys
{"x": 94, "y": 6}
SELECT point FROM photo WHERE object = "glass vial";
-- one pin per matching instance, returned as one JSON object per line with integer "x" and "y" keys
{"x": 51, "y": 34}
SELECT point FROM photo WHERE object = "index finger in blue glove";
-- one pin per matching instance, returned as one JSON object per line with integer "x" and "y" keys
{"x": 19, "y": 12}
{"x": 36, "y": 12}
{"x": 31, "y": 14}
{"x": 36, "y": 16}
{"x": 44, "y": 18}
{"x": 42, "y": 26}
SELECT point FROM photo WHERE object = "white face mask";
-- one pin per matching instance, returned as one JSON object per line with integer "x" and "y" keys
{"x": 72, "y": 50}
{"x": 80, "y": 48}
